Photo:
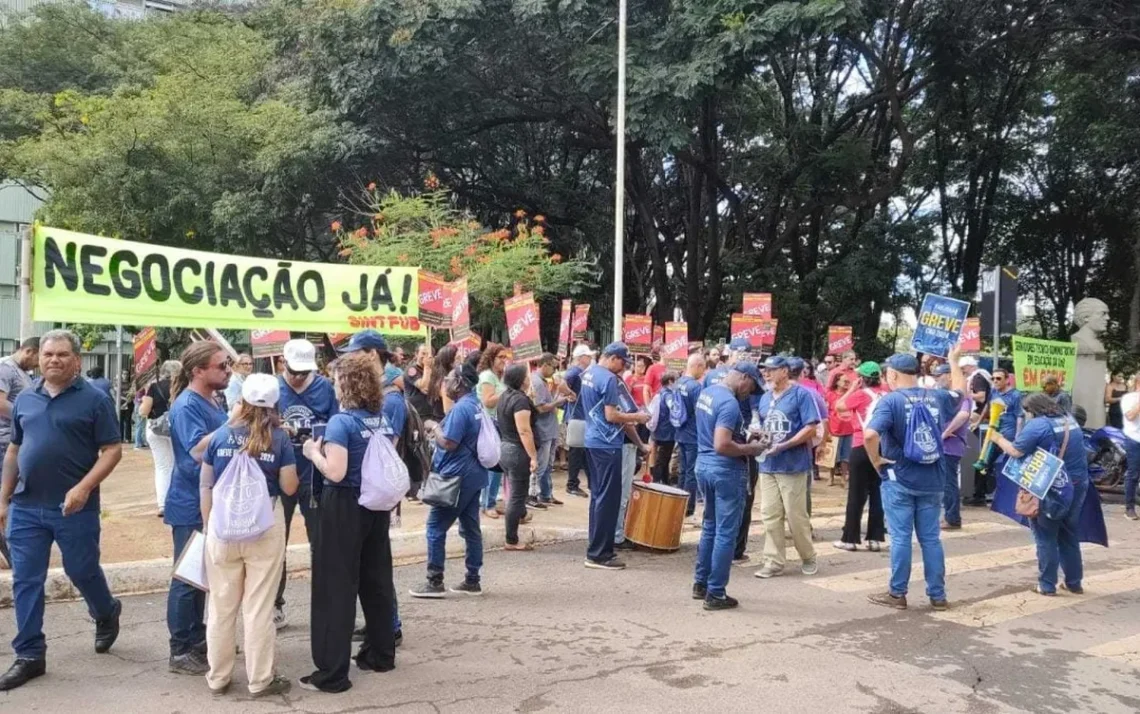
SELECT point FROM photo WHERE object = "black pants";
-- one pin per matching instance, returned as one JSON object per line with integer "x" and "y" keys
{"x": 353, "y": 557}
{"x": 746, "y": 515}
{"x": 516, "y": 467}
{"x": 125, "y": 425}
{"x": 661, "y": 466}
{"x": 863, "y": 485}
{"x": 985, "y": 484}
{"x": 577, "y": 464}
{"x": 309, "y": 512}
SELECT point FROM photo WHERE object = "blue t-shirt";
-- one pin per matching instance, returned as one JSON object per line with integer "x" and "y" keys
{"x": 600, "y": 389}
{"x": 59, "y": 440}
{"x": 352, "y": 429}
{"x": 1048, "y": 433}
{"x": 783, "y": 417}
{"x": 391, "y": 374}
{"x": 1007, "y": 424}
{"x": 394, "y": 411}
{"x": 103, "y": 385}
{"x": 191, "y": 418}
{"x": 228, "y": 441}
{"x": 889, "y": 420}
{"x": 718, "y": 407}
{"x": 573, "y": 380}
{"x": 665, "y": 431}
{"x": 310, "y": 409}
{"x": 689, "y": 390}
{"x": 461, "y": 425}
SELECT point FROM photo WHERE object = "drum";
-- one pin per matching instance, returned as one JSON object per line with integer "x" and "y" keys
{"x": 656, "y": 515}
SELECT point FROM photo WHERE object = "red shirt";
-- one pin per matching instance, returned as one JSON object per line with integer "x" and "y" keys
{"x": 637, "y": 386}
{"x": 838, "y": 424}
{"x": 859, "y": 403}
{"x": 653, "y": 378}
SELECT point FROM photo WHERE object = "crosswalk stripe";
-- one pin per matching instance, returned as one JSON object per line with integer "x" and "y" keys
{"x": 878, "y": 578}
{"x": 969, "y": 528}
{"x": 994, "y": 611}
{"x": 1125, "y": 650}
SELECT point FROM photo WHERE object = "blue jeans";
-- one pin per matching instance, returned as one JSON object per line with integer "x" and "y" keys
{"x": 1059, "y": 544}
{"x": 628, "y": 470}
{"x": 491, "y": 492}
{"x": 909, "y": 513}
{"x": 185, "y": 605}
{"x": 605, "y": 501}
{"x": 31, "y": 530}
{"x": 140, "y": 432}
{"x": 1132, "y": 472}
{"x": 439, "y": 520}
{"x": 689, "y": 475}
{"x": 724, "y": 504}
{"x": 951, "y": 495}
{"x": 541, "y": 483}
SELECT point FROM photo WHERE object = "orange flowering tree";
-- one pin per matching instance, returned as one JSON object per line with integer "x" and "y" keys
{"x": 428, "y": 231}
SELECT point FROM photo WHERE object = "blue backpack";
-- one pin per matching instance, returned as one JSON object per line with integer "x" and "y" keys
{"x": 923, "y": 444}
{"x": 678, "y": 415}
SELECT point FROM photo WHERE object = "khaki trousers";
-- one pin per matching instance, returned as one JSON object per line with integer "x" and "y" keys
{"x": 244, "y": 575}
{"x": 784, "y": 497}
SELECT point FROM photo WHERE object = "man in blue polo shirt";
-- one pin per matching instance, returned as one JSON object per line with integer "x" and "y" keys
{"x": 689, "y": 390}
{"x": 1009, "y": 425}
{"x": 606, "y": 427}
{"x": 790, "y": 415}
{"x": 722, "y": 471}
{"x": 912, "y": 491}
{"x": 65, "y": 442}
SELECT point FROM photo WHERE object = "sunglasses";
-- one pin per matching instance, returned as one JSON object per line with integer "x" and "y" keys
{"x": 302, "y": 373}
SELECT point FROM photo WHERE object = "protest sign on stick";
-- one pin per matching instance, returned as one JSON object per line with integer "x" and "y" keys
{"x": 940, "y": 323}
{"x": 840, "y": 339}
{"x": 1034, "y": 360}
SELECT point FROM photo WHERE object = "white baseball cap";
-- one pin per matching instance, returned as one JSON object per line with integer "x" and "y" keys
{"x": 968, "y": 362}
{"x": 300, "y": 355}
{"x": 260, "y": 390}
{"x": 583, "y": 350}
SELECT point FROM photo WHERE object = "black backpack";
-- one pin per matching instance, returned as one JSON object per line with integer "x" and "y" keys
{"x": 413, "y": 447}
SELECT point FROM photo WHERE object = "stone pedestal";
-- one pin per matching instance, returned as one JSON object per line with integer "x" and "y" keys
{"x": 1088, "y": 390}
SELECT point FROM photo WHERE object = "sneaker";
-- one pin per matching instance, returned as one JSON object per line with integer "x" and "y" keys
{"x": 107, "y": 631}
{"x": 720, "y": 603}
{"x": 844, "y": 546}
{"x": 21, "y": 672}
{"x": 533, "y": 502}
{"x": 626, "y": 544}
{"x": 429, "y": 589}
{"x": 948, "y": 526}
{"x": 277, "y": 685}
{"x": 1037, "y": 589}
{"x": 577, "y": 492}
{"x": 190, "y": 663}
{"x": 874, "y": 546}
{"x": 468, "y": 588}
{"x": 809, "y": 567}
{"x": 769, "y": 571}
{"x": 552, "y": 501}
{"x": 220, "y": 691}
{"x": 939, "y": 605}
{"x": 306, "y": 683}
{"x": 1130, "y": 514}
{"x": 888, "y": 600}
{"x": 279, "y": 620}
{"x": 700, "y": 592}
{"x": 742, "y": 561}
{"x": 611, "y": 564}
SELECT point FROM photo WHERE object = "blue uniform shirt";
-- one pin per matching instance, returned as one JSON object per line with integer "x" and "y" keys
{"x": 889, "y": 420}
{"x": 689, "y": 390}
{"x": 718, "y": 407}
{"x": 352, "y": 429}
{"x": 192, "y": 417}
{"x": 1048, "y": 433}
{"x": 310, "y": 409}
{"x": 461, "y": 425}
{"x": 59, "y": 440}
{"x": 103, "y": 385}
{"x": 783, "y": 417}
{"x": 1007, "y": 424}
{"x": 573, "y": 380}
{"x": 228, "y": 441}
{"x": 599, "y": 390}
{"x": 665, "y": 431}
{"x": 715, "y": 376}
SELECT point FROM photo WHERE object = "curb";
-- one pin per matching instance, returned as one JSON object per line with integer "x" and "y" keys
{"x": 142, "y": 577}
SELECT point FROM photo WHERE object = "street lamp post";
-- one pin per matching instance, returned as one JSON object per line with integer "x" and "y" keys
{"x": 619, "y": 182}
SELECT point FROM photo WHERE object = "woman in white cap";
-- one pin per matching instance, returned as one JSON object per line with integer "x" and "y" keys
{"x": 244, "y": 573}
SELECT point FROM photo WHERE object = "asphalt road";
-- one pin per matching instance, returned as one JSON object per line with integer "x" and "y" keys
{"x": 551, "y": 636}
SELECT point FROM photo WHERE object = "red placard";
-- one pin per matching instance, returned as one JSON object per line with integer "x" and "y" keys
{"x": 972, "y": 335}
{"x": 564, "y": 330}
{"x": 748, "y": 327}
{"x": 658, "y": 338}
{"x": 460, "y": 311}
{"x": 637, "y": 333}
{"x": 840, "y": 338}
{"x": 522, "y": 326}
{"x": 467, "y": 345}
{"x": 758, "y": 304}
{"x": 267, "y": 343}
{"x": 768, "y": 332}
{"x": 675, "y": 351}
{"x": 337, "y": 338}
{"x": 435, "y": 294}
{"x": 146, "y": 356}
{"x": 578, "y": 326}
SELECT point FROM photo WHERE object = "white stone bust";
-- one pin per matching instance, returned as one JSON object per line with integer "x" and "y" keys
{"x": 1091, "y": 316}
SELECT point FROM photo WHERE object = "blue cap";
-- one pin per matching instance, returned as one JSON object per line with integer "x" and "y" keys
{"x": 795, "y": 364}
{"x": 366, "y": 340}
{"x": 616, "y": 349}
{"x": 905, "y": 363}
{"x": 941, "y": 370}
{"x": 749, "y": 370}
{"x": 776, "y": 362}
{"x": 739, "y": 344}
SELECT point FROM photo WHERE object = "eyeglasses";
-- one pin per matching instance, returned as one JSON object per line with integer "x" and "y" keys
{"x": 245, "y": 363}
{"x": 224, "y": 366}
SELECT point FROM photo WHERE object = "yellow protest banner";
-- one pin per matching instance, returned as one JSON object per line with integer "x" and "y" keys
{"x": 85, "y": 278}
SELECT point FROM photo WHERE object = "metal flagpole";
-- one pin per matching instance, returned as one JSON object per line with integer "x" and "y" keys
{"x": 619, "y": 181}
{"x": 997, "y": 317}
{"x": 26, "y": 284}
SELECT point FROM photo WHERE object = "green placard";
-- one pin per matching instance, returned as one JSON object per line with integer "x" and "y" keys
{"x": 1035, "y": 359}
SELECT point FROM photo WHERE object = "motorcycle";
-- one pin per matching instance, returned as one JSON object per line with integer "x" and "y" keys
{"x": 1107, "y": 459}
